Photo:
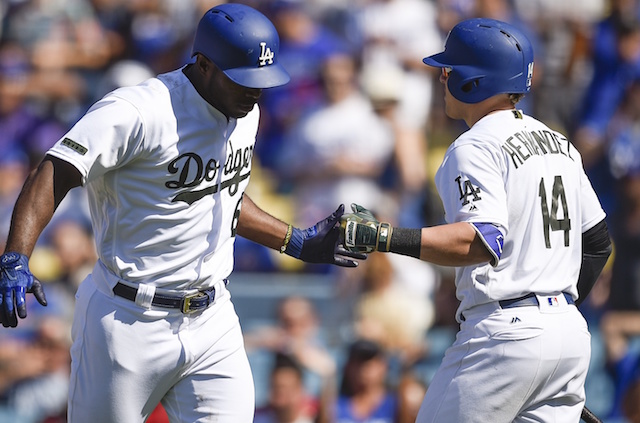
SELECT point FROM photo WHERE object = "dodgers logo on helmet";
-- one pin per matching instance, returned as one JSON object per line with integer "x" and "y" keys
{"x": 486, "y": 57}
{"x": 266, "y": 55}
{"x": 243, "y": 43}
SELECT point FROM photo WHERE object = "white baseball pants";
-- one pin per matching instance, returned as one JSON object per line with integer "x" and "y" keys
{"x": 521, "y": 364}
{"x": 125, "y": 360}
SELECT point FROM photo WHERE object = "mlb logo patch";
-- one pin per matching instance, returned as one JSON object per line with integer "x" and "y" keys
{"x": 552, "y": 303}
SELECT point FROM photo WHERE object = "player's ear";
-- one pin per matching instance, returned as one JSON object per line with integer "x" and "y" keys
{"x": 203, "y": 64}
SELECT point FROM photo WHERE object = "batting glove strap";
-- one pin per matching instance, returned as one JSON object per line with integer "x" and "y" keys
{"x": 360, "y": 237}
{"x": 15, "y": 271}
{"x": 294, "y": 246}
{"x": 385, "y": 230}
{"x": 361, "y": 230}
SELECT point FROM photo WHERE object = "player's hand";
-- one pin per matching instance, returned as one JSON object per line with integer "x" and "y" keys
{"x": 16, "y": 281}
{"x": 321, "y": 243}
{"x": 363, "y": 232}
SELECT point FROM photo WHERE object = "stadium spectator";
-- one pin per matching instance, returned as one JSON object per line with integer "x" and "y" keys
{"x": 364, "y": 394}
{"x": 298, "y": 333}
{"x": 288, "y": 402}
{"x": 391, "y": 315}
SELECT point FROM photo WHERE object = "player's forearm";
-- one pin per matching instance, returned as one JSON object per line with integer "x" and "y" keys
{"x": 455, "y": 244}
{"x": 259, "y": 226}
{"x": 41, "y": 194}
{"x": 33, "y": 210}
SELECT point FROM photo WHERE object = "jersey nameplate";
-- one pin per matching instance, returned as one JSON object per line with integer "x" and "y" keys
{"x": 526, "y": 144}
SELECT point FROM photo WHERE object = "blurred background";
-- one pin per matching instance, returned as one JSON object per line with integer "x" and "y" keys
{"x": 361, "y": 121}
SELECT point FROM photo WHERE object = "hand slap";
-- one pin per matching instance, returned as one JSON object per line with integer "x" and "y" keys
{"x": 321, "y": 243}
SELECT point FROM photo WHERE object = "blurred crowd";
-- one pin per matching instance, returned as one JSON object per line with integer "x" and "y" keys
{"x": 360, "y": 122}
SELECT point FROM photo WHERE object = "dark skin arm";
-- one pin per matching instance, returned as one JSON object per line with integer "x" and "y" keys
{"x": 259, "y": 226}
{"x": 41, "y": 194}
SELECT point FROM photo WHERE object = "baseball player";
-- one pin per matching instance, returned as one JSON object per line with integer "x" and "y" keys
{"x": 166, "y": 164}
{"x": 525, "y": 231}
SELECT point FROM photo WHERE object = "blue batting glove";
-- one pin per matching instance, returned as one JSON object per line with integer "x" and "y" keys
{"x": 16, "y": 281}
{"x": 321, "y": 243}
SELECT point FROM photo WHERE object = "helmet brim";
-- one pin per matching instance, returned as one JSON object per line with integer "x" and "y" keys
{"x": 264, "y": 77}
{"x": 436, "y": 60}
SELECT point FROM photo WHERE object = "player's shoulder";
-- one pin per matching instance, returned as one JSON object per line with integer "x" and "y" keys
{"x": 149, "y": 98}
{"x": 494, "y": 129}
{"x": 149, "y": 91}
{"x": 517, "y": 136}
{"x": 485, "y": 135}
{"x": 153, "y": 91}
{"x": 548, "y": 139}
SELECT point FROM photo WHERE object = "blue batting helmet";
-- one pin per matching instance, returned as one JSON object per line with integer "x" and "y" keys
{"x": 243, "y": 43}
{"x": 486, "y": 57}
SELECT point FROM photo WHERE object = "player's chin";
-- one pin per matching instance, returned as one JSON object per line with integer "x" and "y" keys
{"x": 448, "y": 111}
{"x": 242, "y": 110}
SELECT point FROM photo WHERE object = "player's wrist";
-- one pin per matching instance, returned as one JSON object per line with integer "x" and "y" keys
{"x": 293, "y": 248}
{"x": 406, "y": 241}
{"x": 287, "y": 239}
{"x": 13, "y": 259}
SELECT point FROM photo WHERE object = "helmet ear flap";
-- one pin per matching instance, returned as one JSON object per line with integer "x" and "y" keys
{"x": 469, "y": 86}
{"x": 467, "y": 90}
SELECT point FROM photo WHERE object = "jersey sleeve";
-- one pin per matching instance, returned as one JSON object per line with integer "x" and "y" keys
{"x": 492, "y": 238}
{"x": 471, "y": 185}
{"x": 109, "y": 135}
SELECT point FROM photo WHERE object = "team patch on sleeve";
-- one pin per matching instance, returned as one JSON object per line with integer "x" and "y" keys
{"x": 82, "y": 150}
{"x": 467, "y": 190}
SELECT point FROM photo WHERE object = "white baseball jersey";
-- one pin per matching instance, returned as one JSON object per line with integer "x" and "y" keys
{"x": 165, "y": 172}
{"x": 513, "y": 171}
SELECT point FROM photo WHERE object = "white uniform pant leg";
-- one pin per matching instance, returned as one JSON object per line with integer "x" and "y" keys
{"x": 217, "y": 383}
{"x": 125, "y": 360}
{"x": 512, "y": 365}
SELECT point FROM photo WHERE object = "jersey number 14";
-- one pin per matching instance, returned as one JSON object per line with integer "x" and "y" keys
{"x": 550, "y": 219}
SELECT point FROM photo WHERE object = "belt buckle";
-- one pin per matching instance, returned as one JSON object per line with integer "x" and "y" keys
{"x": 186, "y": 302}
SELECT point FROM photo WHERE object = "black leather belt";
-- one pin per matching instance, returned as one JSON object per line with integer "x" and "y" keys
{"x": 187, "y": 304}
{"x": 529, "y": 300}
